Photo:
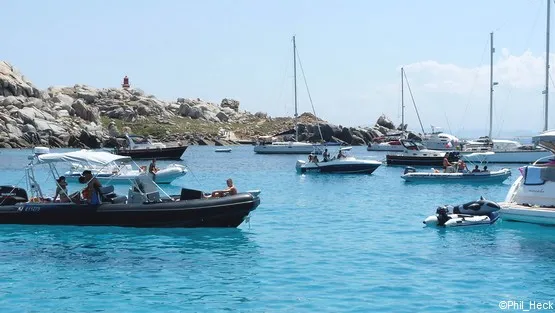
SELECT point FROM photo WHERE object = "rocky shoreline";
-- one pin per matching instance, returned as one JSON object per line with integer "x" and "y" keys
{"x": 86, "y": 117}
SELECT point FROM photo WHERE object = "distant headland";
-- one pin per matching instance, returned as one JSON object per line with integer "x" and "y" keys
{"x": 81, "y": 116}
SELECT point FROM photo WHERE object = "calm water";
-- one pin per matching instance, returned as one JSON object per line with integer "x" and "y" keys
{"x": 335, "y": 243}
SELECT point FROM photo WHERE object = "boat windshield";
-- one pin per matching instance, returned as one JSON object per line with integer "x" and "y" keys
{"x": 139, "y": 140}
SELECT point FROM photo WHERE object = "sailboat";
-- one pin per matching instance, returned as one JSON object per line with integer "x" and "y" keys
{"x": 505, "y": 151}
{"x": 290, "y": 147}
{"x": 436, "y": 140}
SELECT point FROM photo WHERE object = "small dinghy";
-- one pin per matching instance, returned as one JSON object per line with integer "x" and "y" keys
{"x": 498, "y": 176}
{"x": 481, "y": 212}
{"x": 223, "y": 150}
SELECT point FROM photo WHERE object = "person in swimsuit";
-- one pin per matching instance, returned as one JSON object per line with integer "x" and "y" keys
{"x": 231, "y": 190}
{"x": 93, "y": 188}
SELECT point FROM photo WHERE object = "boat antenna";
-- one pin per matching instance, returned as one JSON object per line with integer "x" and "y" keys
{"x": 413, "y": 102}
{"x": 295, "y": 88}
{"x": 546, "y": 91}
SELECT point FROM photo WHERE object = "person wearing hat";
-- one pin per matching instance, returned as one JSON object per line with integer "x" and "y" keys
{"x": 61, "y": 190}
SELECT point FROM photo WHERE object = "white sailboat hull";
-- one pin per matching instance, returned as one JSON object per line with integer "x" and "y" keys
{"x": 288, "y": 148}
{"x": 518, "y": 156}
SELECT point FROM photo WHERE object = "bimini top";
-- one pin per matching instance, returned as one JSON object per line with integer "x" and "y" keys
{"x": 82, "y": 156}
{"x": 546, "y": 140}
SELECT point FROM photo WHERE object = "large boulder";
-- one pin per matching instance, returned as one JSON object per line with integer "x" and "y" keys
{"x": 85, "y": 111}
{"x": 230, "y": 103}
{"x": 385, "y": 122}
{"x": 13, "y": 83}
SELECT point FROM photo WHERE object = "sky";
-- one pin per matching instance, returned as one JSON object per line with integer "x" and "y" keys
{"x": 351, "y": 52}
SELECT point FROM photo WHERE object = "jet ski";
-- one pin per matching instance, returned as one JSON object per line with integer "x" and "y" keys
{"x": 478, "y": 212}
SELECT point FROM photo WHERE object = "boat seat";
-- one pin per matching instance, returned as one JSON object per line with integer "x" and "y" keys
{"x": 108, "y": 195}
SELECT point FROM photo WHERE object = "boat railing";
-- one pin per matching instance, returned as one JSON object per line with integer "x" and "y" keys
{"x": 548, "y": 157}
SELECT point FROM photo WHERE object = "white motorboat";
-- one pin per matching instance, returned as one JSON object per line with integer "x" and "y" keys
{"x": 223, "y": 150}
{"x": 392, "y": 145}
{"x": 108, "y": 170}
{"x": 532, "y": 196}
{"x": 480, "y": 212}
{"x": 438, "y": 140}
{"x": 342, "y": 163}
{"x": 498, "y": 176}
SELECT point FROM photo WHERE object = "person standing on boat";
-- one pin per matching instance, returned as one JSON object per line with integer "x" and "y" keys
{"x": 93, "y": 188}
{"x": 152, "y": 169}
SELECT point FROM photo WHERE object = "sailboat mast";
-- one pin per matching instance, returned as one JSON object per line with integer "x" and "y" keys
{"x": 546, "y": 91}
{"x": 402, "y": 97}
{"x": 295, "y": 87}
{"x": 492, "y": 50}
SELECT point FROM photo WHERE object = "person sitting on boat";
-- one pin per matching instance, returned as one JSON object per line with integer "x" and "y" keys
{"x": 340, "y": 154}
{"x": 93, "y": 188}
{"x": 231, "y": 190}
{"x": 446, "y": 163}
{"x": 485, "y": 168}
{"x": 326, "y": 155}
{"x": 476, "y": 169}
{"x": 61, "y": 190}
{"x": 315, "y": 159}
{"x": 461, "y": 167}
{"x": 310, "y": 157}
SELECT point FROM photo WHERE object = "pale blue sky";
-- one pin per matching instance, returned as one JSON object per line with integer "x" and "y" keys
{"x": 351, "y": 53}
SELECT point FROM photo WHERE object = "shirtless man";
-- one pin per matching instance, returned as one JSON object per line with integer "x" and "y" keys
{"x": 93, "y": 187}
{"x": 231, "y": 190}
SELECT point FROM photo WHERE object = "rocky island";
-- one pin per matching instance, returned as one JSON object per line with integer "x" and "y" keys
{"x": 81, "y": 116}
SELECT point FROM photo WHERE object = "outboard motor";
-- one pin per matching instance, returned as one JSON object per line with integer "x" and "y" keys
{"x": 442, "y": 215}
{"x": 10, "y": 195}
{"x": 409, "y": 169}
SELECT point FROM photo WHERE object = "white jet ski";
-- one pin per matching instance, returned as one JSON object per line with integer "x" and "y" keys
{"x": 472, "y": 213}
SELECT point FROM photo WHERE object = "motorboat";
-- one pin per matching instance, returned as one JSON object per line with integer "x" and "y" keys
{"x": 392, "y": 145}
{"x": 531, "y": 198}
{"x": 140, "y": 147}
{"x": 480, "y": 212}
{"x": 416, "y": 154}
{"x": 437, "y": 140}
{"x": 487, "y": 176}
{"x": 146, "y": 204}
{"x": 223, "y": 150}
{"x": 342, "y": 163}
{"x": 110, "y": 171}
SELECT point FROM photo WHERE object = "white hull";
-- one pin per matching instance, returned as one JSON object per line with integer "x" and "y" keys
{"x": 519, "y": 156}
{"x": 519, "y": 213}
{"x": 164, "y": 176}
{"x": 288, "y": 148}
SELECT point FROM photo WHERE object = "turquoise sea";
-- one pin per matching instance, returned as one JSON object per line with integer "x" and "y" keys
{"x": 317, "y": 243}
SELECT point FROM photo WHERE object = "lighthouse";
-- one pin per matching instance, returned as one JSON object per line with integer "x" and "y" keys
{"x": 125, "y": 84}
